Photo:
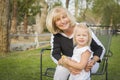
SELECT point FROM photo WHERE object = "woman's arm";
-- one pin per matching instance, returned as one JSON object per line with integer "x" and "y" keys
{"x": 98, "y": 52}
{"x": 55, "y": 48}
{"x": 78, "y": 65}
{"x": 97, "y": 48}
{"x": 71, "y": 69}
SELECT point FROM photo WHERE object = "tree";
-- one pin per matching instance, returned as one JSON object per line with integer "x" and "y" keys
{"x": 76, "y": 8}
{"x": 4, "y": 27}
{"x": 25, "y": 10}
{"x": 108, "y": 10}
{"x": 41, "y": 17}
{"x": 14, "y": 18}
{"x": 67, "y": 3}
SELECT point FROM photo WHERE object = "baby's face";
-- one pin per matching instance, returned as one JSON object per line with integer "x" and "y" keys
{"x": 82, "y": 37}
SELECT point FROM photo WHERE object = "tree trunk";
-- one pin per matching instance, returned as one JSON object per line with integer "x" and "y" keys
{"x": 67, "y": 3}
{"x": 76, "y": 8}
{"x": 37, "y": 18}
{"x": 40, "y": 23}
{"x": 14, "y": 18}
{"x": 84, "y": 13}
{"x": 25, "y": 23}
{"x": 4, "y": 27}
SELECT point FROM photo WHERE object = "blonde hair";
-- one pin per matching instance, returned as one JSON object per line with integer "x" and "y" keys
{"x": 84, "y": 26}
{"x": 53, "y": 14}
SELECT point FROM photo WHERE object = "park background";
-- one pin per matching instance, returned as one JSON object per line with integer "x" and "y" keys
{"x": 23, "y": 33}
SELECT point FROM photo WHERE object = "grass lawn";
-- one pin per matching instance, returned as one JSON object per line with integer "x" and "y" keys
{"x": 113, "y": 62}
{"x": 114, "y": 66}
{"x": 20, "y": 66}
{"x": 25, "y": 65}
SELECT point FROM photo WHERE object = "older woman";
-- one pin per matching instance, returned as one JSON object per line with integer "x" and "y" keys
{"x": 61, "y": 24}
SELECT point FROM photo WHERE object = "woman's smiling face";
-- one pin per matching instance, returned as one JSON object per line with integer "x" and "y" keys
{"x": 62, "y": 21}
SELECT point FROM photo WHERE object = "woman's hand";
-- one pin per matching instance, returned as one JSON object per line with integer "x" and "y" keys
{"x": 90, "y": 65}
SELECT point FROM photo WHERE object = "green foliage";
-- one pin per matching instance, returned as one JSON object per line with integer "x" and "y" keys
{"x": 55, "y": 3}
{"x": 29, "y": 7}
{"x": 59, "y": 3}
{"x": 109, "y": 10}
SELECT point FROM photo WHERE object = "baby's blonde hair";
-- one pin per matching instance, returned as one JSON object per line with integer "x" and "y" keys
{"x": 84, "y": 26}
{"x": 53, "y": 14}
